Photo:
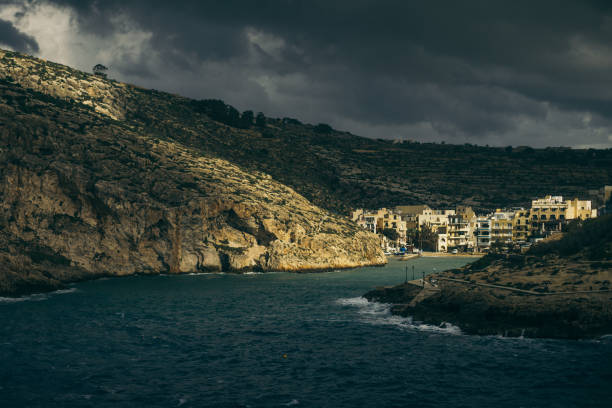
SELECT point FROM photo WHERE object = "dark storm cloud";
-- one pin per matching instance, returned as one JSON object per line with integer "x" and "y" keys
{"x": 470, "y": 69}
{"x": 15, "y": 39}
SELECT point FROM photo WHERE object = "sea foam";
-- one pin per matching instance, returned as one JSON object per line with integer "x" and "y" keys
{"x": 380, "y": 314}
{"x": 36, "y": 297}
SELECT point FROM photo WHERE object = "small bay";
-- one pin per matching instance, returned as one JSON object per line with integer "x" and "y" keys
{"x": 275, "y": 339}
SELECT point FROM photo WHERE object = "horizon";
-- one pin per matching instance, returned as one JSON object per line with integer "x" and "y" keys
{"x": 445, "y": 73}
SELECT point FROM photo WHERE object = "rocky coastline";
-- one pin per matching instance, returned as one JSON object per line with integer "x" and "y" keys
{"x": 558, "y": 289}
{"x": 485, "y": 311}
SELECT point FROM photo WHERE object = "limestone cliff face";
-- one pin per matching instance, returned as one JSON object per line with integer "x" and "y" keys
{"x": 84, "y": 194}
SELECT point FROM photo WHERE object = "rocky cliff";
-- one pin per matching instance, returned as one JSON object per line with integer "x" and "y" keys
{"x": 85, "y": 192}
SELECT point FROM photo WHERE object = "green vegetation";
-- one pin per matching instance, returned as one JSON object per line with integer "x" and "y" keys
{"x": 424, "y": 238}
{"x": 391, "y": 234}
{"x": 323, "y": 128}
{"x": 219, "y": 111}
{"x": 100, "y": 70}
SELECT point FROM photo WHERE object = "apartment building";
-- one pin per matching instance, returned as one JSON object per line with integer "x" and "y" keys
{"x": 501, "y": 226}
{"x": 364, "y": 219}
{"x": 579, "y": 209}
{"x": 378, "y": 220}
{"x": 547, "y": 215}
{"x": 434, "y": 219}
{"x": 483, "y": 233}
{"x": 410, "y": 214}
{"x": 391, "y": 220}
{"x": 460, "y": 232}
{"x": 521, "y": 225}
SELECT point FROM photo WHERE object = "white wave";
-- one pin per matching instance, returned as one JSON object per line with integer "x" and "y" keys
{"x": 292, "y": 402}
{"x": 356, "y": 301}
{"x": 63, "y": 291}
{"x": 505, "y": 337}
{"x": 267, "y": 273}
{"x": 37, "y": 297}
{"x": 380, "y": 314}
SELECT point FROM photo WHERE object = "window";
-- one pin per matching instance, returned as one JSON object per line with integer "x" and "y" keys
{"x": 543, "y": 217}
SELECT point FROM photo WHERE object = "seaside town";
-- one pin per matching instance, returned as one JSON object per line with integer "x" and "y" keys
{"x": 415, "y": 228}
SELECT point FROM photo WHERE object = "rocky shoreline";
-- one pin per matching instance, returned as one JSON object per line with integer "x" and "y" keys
{"x": 86, "y": 191}
{"x": 558, "y": 289}
{"x": 488, "y": 311}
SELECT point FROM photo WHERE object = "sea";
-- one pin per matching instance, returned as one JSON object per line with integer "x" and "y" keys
{"x": 275, "y": 340}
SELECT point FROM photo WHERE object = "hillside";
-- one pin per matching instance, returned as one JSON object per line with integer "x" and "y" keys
{"x": 580, "y": 261}
{"x": 84, "y": 192}
{"x": 335, "y": 170}
{"x": 557, "y": 289}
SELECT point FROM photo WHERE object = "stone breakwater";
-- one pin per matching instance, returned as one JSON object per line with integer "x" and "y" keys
{"x": 84, "y": 195}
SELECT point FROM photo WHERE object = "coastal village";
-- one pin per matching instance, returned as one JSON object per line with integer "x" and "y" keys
{"x": 415, "y": 228}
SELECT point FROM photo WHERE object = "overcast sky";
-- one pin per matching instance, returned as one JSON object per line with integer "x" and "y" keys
{"x": 502, "y": 73}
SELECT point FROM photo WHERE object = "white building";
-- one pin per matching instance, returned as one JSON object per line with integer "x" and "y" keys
{"x": 434, "y": 219}
{"x": 483, "y": 233}
{"x": 501, "y": 226}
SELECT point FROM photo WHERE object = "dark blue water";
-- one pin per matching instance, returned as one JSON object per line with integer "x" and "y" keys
{"x": 274, "y": 340}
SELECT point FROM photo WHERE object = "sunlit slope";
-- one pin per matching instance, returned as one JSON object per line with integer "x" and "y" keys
{"x": 84, "y": 193}
{"x": 335, "y": 170}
